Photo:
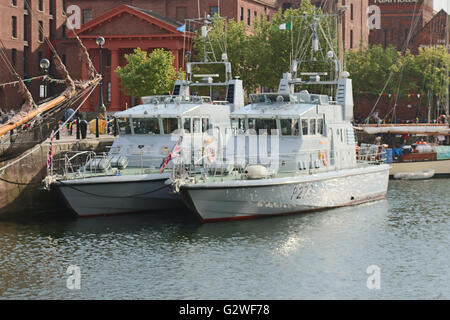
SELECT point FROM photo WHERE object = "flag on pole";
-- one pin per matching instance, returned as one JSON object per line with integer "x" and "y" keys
{"x": 174, "y": 154}
{"x": 182, "y": 28}
{"x": 285, "y": 26}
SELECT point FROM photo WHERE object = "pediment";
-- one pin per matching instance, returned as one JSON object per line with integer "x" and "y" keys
{"x": 126, "y": 20}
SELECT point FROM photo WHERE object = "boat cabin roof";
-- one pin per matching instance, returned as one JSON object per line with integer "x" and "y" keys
{"x": 170, "y": 106}
{"x": 275, "y": 104}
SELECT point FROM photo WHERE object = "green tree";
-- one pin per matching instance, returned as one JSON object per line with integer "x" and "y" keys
{"x": 260, "y": 54}
{"x": 370, "y": 68}
{"x": 148, "y": 74}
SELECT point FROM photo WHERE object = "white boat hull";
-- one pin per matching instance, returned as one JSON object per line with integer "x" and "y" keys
{"x": 246, "y": 199}
{"x": 440, "y": 167}
{"x": 118, "y": 195}
{"x": 420, "y": 175}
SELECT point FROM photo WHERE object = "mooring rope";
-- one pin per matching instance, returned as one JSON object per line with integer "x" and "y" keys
{"x": 104, "y": 196}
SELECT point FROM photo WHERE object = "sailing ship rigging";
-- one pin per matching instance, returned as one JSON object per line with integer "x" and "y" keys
{"x": 34, "y": 122}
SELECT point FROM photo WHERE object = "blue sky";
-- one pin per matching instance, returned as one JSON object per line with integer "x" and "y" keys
{"x": 440, "y": 4}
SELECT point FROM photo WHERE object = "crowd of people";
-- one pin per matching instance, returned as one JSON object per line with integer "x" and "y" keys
{"x": 375, "y": 119}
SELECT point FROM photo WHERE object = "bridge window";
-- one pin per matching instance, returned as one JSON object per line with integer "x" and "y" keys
{"x": 146, "y": 126}
{"x": 124, "y": 126}
{"x": 305, "y": 127}
{"x": 320, "y": 126}
{"x": 312, "y": 125}
{"x": 187, "y": 125}
{"x": 289, "y": 127}
{"x": 170, "y": 125}
{"x": 237, "y": 124}
{"x": 262, "y": 126}
{"x": 205, "y": 124}
{"x": 197, "y": 125}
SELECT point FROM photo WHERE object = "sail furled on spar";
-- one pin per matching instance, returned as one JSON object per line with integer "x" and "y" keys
{"x": 34, "y": 123}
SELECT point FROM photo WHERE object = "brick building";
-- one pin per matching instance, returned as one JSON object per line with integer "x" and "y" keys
{"x": 432, "y": 34}
{"x": 124, "y": 29}
{"x": 149, "y": 24}
{"x": 400, "y": 19}
{"x": 23, "y": 31}
{"x": 178, "y": 10}
{"x": 354, "y": 23}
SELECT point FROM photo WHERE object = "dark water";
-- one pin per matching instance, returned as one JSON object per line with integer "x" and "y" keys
{"x": 169, "y": 255}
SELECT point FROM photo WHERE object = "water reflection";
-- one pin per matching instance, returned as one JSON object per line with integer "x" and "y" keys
{"x": 169, "y": 255}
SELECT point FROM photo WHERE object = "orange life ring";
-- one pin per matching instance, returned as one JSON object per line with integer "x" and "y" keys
{"x": 325, "y": 158}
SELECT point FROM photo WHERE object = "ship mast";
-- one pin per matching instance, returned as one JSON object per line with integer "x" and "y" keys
{"x": 447, "y": 27}
{"x": 340, "y": 37}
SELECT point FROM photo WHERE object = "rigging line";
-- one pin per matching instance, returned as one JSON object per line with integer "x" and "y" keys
{"x": 25, "y": 80}
{"x": 78, "y": 108}
{"x": 390, "y": 75}
{"x": 413, "y": 25}
{"x": 20, "y": 183}
{"x": 2, "y": 170}
{"x": 6, "y": 60}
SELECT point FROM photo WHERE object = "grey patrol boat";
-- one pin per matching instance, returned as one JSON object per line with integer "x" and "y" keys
{"x": 130, "y": 177}
{"x": 288, "y": 152}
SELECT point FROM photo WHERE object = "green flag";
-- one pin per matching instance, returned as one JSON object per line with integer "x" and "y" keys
{"x": 285, "y": 26}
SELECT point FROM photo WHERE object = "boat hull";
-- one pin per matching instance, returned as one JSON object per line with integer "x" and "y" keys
{"x": 440, "y": 167}
{"x": 248, "y": 199}
{"x": 117, "y": 195}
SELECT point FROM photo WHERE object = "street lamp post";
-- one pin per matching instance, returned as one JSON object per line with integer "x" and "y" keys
{"x": 45, "y": 65}
{"x": 101, "y": 106}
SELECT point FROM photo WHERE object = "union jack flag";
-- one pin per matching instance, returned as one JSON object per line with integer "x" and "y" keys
{"x": 174, "y": 154}
{"x": 50, "y": 154}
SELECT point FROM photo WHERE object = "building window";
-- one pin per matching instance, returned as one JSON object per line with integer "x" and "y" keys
{"x": 63, "y": 58}
{"x": 108, "y": 59}
{"x": 14, "y": 27}
{"x": 242, "y": 14}
{"x": 14, "y": 3}
{"x": 50, "y": 7}
{"x": 248, "y": 16}
{"x": 351, "y": 12}
{"x": 180, "y": 13}
{"x": 286, "y": 6}
{"x": 14, "y": 57}
{"x": 108, "y": 92}
{"x": 25, "y": 62}
{"x": 385, "y": 38}
{"x": 351, "y": 39}
{"x": 41, "y": 31}
{"x": 41, "y": 5}
{"x": 213, "y": 10}
{"x": 63, "y": 31}
{"x": 87, "y": 15}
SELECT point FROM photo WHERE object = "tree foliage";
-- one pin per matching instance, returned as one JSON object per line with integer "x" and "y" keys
{"x": 375, "y": 68}
{"x": 261, "y": 53}
{"x": 148, "y": 74}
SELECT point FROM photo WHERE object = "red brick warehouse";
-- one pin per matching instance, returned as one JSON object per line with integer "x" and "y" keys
{"x": 126, "y": 25}
{"x": 124, "y": 29}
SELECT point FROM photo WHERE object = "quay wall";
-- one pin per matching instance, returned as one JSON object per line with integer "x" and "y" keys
{"x": 25, "y": 195}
